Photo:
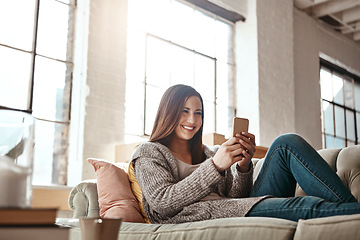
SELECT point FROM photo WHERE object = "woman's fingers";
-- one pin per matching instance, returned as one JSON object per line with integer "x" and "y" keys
{"x": 251, "y": 137}
{"x": 249, "y": 147}
{"x": 247, "y": 141}
{"x": 230, "y": 142}
{"x": 238, "y": 152}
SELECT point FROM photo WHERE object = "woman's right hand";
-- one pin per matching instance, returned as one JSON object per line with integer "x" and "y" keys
{"x": 228, "y": 154}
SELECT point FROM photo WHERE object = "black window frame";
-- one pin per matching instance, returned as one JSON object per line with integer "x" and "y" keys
{"x": 334, "y": 69}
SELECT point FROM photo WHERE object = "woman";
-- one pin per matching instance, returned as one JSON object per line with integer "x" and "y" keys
{"x": 183, "y": 180}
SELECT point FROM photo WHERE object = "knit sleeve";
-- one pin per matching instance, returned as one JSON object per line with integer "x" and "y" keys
{"x": 163, "y": 193}
{"x": 239, "y": 184}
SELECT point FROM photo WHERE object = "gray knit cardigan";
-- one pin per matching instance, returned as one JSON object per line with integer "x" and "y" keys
{"x": 167, "y": 199}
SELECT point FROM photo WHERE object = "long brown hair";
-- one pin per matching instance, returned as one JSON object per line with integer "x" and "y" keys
{"x": 168, "y": 115}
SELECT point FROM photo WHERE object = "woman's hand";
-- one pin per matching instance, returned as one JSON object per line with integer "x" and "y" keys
{"x": 237, "y": 149}
{"x": 247, "y": 141}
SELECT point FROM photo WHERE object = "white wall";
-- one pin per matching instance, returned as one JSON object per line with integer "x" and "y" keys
{"x": 103, "y": 98}
{"x": 265, "y": 73}
{"x": 312, "y": 39}
{"x": 247, "y": 71}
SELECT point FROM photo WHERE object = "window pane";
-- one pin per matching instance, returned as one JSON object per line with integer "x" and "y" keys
{"x": 50, "y": 153}
{"x": 339, "y": 122}
{"x": 224, "y": 117}
{"x": 14, "y": 78}
{"x": 326, "y": 84}
{"x": 182, "y": 66}
{"x": 153, "y": 97}
{"x": 223, "y": 42}
{"x": 204, "y": 36}
{"x": 339, "y": 143}
{"x": 51, "y": 90}
{"x": 134, "y": 106}
{"x": 17, "y": 23}
{"x": 338, "y": 89}
{"x": 157, "y": 62}
{"x": 209, "y": 121}
{"x": 183, "y": 27}
{"x": 155, "y": 13}
{"x": 330, "y": 141}
{"x": 205, "y": 77}
{"x": 357, "y": 96}
{"x": 53, "y": 29}
{"x": 221, "y": 119}
{"x": 328, "y": 116}
{"x": 348, "y": 91}
{"x": 350, "y": 125}
{"x": 136, "y": 56}
{"x": 222, "y": 84}
{"x": 350, "y": 143}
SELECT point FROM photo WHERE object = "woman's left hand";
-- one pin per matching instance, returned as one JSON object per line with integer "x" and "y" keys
{"x": 247, "y": 141}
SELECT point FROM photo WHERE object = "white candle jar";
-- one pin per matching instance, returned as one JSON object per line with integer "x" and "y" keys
{"x": 16, "y": 158}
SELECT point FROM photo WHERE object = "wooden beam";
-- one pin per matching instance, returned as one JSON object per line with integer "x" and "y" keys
{"x": 334, "y": 6}
{"x": 218, "y": 10}
{"x": 353, "y": 28}
{"x": 351, "y": 14}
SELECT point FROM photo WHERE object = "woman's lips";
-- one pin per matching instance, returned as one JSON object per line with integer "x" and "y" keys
{"x": 188, "y": 127}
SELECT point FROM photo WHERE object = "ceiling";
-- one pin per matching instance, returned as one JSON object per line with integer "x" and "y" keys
{"x": 341, "y": 15}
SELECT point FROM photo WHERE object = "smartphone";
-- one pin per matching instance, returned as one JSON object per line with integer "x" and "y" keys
{"x": 240, "y": 125}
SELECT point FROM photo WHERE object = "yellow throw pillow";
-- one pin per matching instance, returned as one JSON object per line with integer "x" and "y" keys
{"x": 136, "y": 190}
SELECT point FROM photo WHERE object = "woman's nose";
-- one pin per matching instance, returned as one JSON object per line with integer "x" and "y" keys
{"x": 191, "y": 118}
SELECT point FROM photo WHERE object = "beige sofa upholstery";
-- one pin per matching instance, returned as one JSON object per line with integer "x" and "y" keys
{"x": 346, "y": 162}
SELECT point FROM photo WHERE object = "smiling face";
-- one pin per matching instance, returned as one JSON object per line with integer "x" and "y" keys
{"x": 190, "y": 120}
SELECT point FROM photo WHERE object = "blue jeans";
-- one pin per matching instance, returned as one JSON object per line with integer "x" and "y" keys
{"x": 292, "y": 160}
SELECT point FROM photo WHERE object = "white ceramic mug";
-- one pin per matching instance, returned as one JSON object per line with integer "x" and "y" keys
{"x": 100, "y": 228}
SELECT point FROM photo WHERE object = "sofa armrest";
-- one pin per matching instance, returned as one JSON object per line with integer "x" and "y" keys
{"x": 83, "y": 199}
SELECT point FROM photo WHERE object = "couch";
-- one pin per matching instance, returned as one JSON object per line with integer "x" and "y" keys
{"x": 84, "y": 202}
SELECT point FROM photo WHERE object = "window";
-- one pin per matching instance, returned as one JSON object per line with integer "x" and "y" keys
{"x": 178, "y": 43}
{"x": 35, "y": 76}
{"x": 340, "y": 93}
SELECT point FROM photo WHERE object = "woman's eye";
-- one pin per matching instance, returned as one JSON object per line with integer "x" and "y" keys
{"x": 198, "y": 113}
{"x": 185, "y": 111}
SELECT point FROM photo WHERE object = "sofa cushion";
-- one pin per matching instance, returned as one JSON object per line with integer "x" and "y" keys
{"x": 249, "y": 228}
{"x": 114, "y": 193}
{"x": 327, "y": 228}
